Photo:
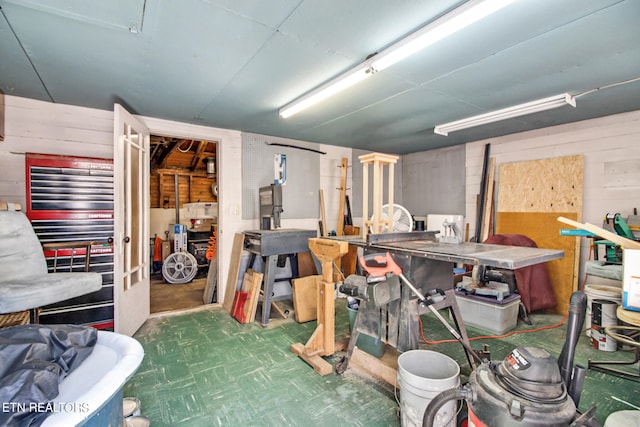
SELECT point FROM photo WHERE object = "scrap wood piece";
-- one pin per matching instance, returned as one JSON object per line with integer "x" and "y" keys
{"x": 350, "y": 260}
{"x": 8, "y": 206}
{"x": 306, "y": 265}
{"x": 275, "y": 307}
{"x": 251, "y": 283}
{"x": 321, "y": 366}
{"x": 255, "y": 292}
{"x": 615, "y": 238}
{"x": 305, "y": 298}
{"x": 482, "y": 195}
{"x": 211, "y": 283}
{"x": 487, "y": 215}
{"x": 343, "y": 192}
{"x": 283, "y": 313}
{"x": 323, "y": 217}
{"x": 234, "y": 271}
{"x": 385, "y": 368}
{"x": 239, "y": 302}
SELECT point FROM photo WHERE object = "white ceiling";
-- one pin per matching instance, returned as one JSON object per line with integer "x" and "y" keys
{"x": 234, "y": 63}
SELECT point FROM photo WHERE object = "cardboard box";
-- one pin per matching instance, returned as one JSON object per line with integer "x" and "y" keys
{"x": 200, "y": 225}
{"x": 201, "y": 210}
{"x": 631, "y": 279}
{"x": 166, "y": 249}
{"x": 488, "y": 314}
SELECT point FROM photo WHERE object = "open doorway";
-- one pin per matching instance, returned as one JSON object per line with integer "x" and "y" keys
{"x": 183, "y": 193}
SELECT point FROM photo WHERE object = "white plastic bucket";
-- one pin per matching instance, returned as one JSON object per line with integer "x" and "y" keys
{"x": 422, "y": 375}
{"x": 626, "y": 418}
{"x": 610, "y": 293}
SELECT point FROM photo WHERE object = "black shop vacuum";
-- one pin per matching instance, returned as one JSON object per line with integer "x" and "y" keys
{"x": 529, "y": 388}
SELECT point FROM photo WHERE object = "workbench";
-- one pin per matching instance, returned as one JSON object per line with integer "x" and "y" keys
{"x": 428, "y": 264}
{"x": 272, "y": 245}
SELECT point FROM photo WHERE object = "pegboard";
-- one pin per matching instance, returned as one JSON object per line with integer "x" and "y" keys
{"x": 299, "y": 193}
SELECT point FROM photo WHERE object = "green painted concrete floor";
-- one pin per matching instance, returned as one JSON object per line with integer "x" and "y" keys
{"x": 203, "y": 368}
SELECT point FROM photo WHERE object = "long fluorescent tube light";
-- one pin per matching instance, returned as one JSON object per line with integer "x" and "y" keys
{"x": 330, "y": 88}
{"x": 454, "y": 21}
{"x": 459, "y": 18}
{"x": 507, "y": 113}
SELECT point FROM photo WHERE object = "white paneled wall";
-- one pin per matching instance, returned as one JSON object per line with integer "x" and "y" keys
{"x": 611, "y": 149}
{"x": 47, "y": 128}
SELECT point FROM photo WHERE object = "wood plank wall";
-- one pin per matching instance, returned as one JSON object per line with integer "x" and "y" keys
{"x": 47, "y": 128}
{"x": 193, "y": 187}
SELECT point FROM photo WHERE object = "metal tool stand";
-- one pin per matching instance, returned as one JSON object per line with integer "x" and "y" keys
{"x": 398, "y": 323}
{"x": 429, "y": 266}
{"x": 270, "y": 245}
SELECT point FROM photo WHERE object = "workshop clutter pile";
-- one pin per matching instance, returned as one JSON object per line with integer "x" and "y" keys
{"x": 616, "y": 256}
{"x": 395, "y": 276}
{"x": 528, "y": 388}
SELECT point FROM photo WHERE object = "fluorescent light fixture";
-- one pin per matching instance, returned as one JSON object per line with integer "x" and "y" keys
{"x": 507, "y": 113}
{"x": 454, "y": 21}
{"x": 330, "y": 88}
{"x": 459, "y": 18}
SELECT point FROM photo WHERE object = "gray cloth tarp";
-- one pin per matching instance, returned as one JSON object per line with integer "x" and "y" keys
{"x": 34, "y": 359}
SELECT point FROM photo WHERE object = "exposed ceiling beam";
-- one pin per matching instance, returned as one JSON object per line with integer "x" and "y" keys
{"x": 160, "y": 162}
{"x": 200, "y": 153}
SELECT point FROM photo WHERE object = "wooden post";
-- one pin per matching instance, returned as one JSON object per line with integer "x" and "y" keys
{"x": 234, "y": 271}
{"x": 322, "y": 341}
{"x": 343, "y": 193}
{"x": 487, "y": 216}
{"x": 323, "y": 218}
{"x": 340, "y": 230}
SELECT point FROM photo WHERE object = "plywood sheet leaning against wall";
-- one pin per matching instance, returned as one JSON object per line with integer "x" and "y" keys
{"x": 531, "y": 196}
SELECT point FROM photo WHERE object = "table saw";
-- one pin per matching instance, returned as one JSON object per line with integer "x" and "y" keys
{"x": 429, "y": 264}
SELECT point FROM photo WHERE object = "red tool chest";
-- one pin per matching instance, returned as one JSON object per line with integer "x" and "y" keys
{"x": 71, "y": 199}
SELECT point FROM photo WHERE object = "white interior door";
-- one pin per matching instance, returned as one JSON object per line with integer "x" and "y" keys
{"x": 131, "y": 243}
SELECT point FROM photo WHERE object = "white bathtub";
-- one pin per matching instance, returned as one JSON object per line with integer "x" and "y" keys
{"x": 92, "y": 394}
